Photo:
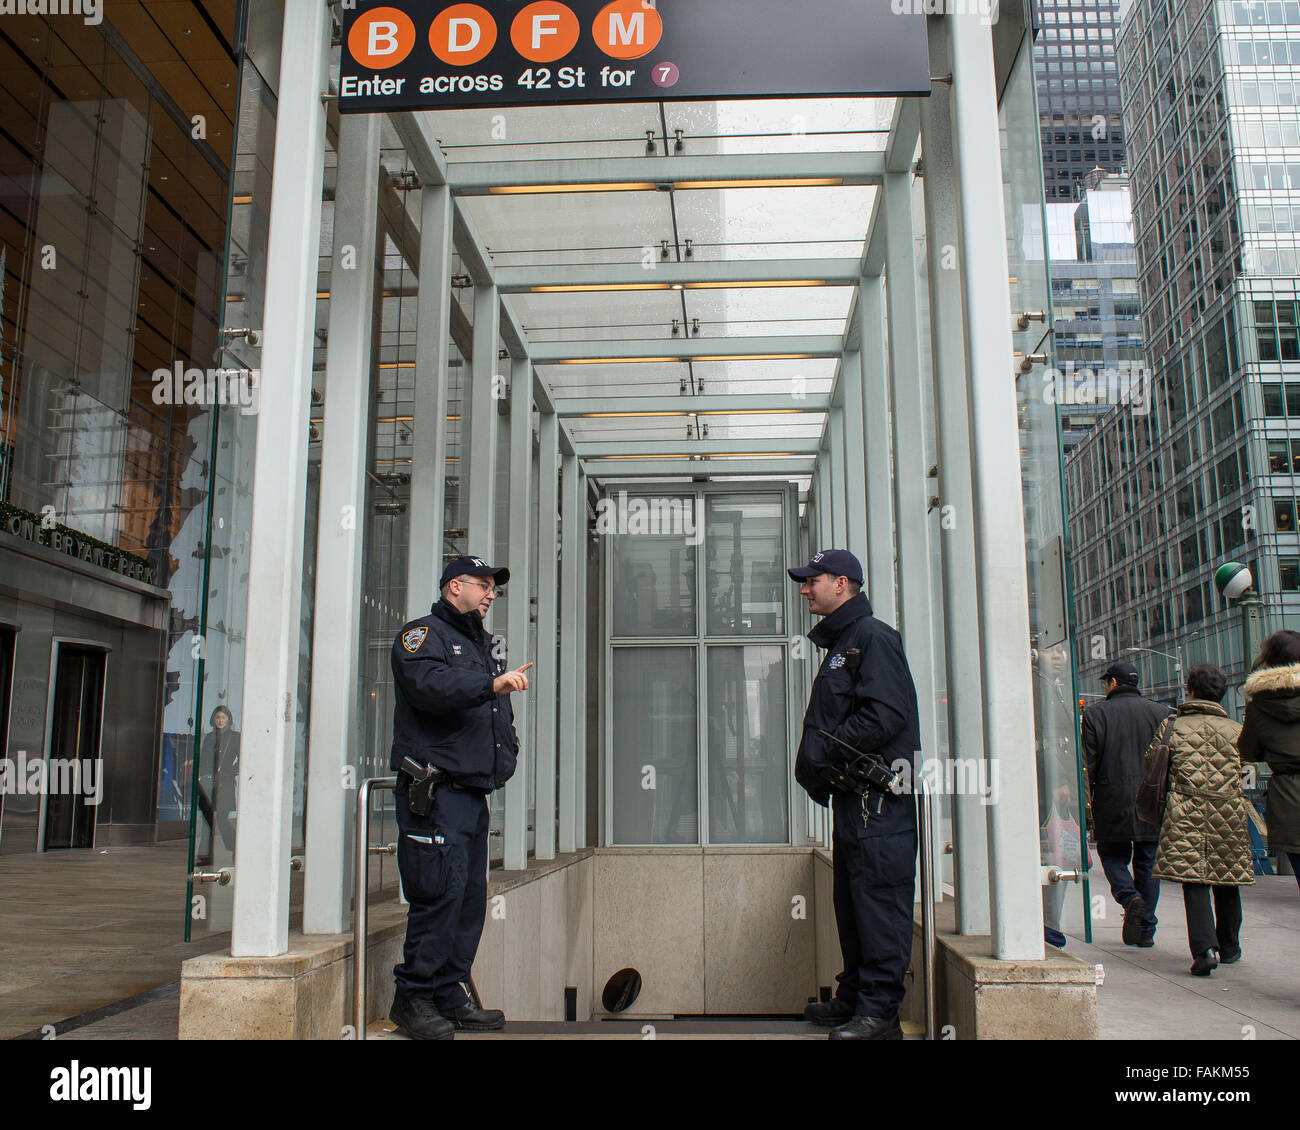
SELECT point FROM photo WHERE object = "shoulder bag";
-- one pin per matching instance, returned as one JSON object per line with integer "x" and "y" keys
{"x": 1151, "y": 793}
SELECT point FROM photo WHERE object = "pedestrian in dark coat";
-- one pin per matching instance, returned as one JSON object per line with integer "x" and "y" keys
{"x": 1271, "y": 733}
{"x": 1205, "y": 836}
{"x": 1116, "y": 734}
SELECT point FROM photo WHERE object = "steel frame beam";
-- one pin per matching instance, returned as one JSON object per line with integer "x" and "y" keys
{"x": 572, "y": 407}
{"x": 669, "y": 350}
{"x": 688, "y": 275}
{"x": 684, "y": 449}
{"x": 693, "y": 468}
{"x": 480, "y": 178}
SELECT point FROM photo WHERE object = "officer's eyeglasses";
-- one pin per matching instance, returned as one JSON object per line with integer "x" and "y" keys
{"x": 492, "y": 589}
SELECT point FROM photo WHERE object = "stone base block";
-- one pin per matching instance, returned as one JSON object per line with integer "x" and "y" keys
{"x": 536, "y": 942}
{"x": 978, "y": 997}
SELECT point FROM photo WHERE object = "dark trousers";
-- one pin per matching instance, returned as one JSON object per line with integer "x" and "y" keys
{"x": 1294, "y": 857}
{"x": 1217, "y": 928}
{"x": 1125, "y": 887}
{"x": 442, "y": 859}
{"x": 875, "y": 886}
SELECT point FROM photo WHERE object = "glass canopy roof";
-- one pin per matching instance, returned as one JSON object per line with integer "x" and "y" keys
{"x": 636, "y": 230}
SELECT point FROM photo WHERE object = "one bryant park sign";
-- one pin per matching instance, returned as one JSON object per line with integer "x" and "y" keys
{"x": 428, "y": 54}
{"x": 32, "y": 527}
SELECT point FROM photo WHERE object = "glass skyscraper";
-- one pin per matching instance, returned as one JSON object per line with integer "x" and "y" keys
{"x": 1201, "y": 470}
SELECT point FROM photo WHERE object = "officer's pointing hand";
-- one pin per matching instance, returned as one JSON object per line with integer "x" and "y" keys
{"x": 511, "y": 681}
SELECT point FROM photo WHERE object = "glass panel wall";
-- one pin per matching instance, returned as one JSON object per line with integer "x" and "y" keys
{"x": 744, "y": 571}
{"x": 211, "y": 652}
{"x": 747, "y": 747}
{"x": 1061, "y": 816}
{"x": 654, "y": 763}
{"x": 678, "y": 775}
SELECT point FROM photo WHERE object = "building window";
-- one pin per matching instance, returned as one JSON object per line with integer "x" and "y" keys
{"x": 1284, "y": 515}
{"x": 1288, "y": 569}
{"x": 1279, "y": 456}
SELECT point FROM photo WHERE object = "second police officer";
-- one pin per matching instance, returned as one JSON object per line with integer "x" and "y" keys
{"x": 862, "y": 721}
{"x": 453, "y": 743}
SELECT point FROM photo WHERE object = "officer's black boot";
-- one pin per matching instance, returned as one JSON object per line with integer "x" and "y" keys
{"x": 416, "y": 1017}
{"x": 868, "y": 1028}
{"x": 830, "y": 1014}
{"x": 474, "y": 1019}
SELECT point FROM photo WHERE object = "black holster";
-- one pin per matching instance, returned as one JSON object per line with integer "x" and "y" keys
{"x": 425, "y": 779}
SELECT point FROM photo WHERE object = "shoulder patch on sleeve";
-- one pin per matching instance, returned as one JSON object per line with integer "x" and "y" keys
{"x": 413, "y": 639}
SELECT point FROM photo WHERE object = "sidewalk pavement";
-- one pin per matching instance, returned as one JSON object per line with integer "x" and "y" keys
{"x": 1148, "y": 994}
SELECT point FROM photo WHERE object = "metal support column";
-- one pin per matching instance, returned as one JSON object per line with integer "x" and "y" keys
{"x": 957, "y": 507}
{"x": 876, "y": 440}
{"x": 1001, "y": 573}
{"x": 341, "y": 529}
{"x": 825, "y": 504}
{"x": 478, "y": 457}
{"x": 839, "y": 508}
{"x": 260, "y": 925}
{"x": 573, "y": 522}
{"x": 909, "y": 385}
{"x": 544, "y": 677}
{"x": 855, "y": 477}
{"x": 583, "y": 602}
{"x": 429, "y": 453}
{"x": 519, "y": 607}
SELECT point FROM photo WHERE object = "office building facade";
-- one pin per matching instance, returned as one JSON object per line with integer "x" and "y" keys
{"x": 1080, "y": 122}
{"x": 1170, "y": 486}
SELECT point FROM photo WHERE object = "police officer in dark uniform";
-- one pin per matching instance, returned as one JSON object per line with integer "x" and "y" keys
{"x": 453, "y": 743}
{"x": 863, "y": 702}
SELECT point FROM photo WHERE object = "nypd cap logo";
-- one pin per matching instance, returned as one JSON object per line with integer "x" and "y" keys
{"x": 413, "y": 639}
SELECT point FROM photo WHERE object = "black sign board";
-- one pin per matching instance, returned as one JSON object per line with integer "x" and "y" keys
{"x": 430, "y": 54}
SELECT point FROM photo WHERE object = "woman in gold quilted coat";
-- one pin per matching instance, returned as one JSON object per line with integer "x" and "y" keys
{"x": 1204, "y": 837}
{"x": 1271, "y": 733}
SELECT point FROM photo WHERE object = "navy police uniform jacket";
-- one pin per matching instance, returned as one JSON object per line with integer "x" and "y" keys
{"x": 446, "y": 713}
{"x": 874, "y": 711}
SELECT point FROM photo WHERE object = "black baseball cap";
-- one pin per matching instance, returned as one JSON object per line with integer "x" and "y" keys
{"x": 836, "y": 562}
{"x": 1123, "y": 672}
{"x": 473, "y": 567}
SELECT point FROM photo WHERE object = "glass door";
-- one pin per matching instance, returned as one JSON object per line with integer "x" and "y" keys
{"x": 73, "y": 767}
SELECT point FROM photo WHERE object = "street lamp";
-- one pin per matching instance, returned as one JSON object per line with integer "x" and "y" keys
{"x": 1234, "y": 581}
{"x": 1178, "y": 659}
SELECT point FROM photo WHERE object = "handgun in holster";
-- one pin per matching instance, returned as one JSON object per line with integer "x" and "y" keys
{"x": 424, "y": 780}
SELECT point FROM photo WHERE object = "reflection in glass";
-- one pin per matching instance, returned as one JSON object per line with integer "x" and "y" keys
{"x": 654, "y": 746}
{"x": 1060, "y": 808}
{"x": 747, "y": 745}
{"x": 744, "y": 571}
{"x": 654, "y": 566}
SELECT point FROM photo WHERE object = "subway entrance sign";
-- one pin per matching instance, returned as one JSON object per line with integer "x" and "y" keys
{"x": 429, "y": 54}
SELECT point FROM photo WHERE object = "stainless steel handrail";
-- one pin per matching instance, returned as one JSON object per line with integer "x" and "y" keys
{"x": 360, "y": 894}
{"x": 925, "y": 822}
